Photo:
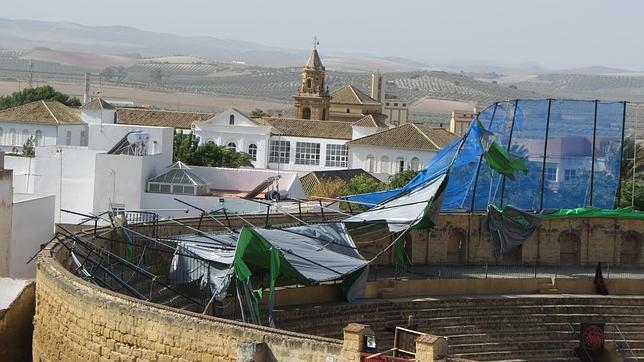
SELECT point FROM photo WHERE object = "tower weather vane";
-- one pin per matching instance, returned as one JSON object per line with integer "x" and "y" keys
{"x": 315, "y": 42}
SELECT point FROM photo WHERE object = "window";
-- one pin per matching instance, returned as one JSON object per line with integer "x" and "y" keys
{"x": 551, "y": 174}
{"x": 308, "y": 83}
{"x": 395, "y": 104}
{"x": 404, "y": 105}
{"x": 83, "y": 138}
{"x": 307, "y": 153}
{"x": 570, "y": 174}
{"x": 68, "y": 138}
{"x": 337, "y": 155}
{"x": 370, "y": 163}
{"x": 387, "y": 104}
{"x": 25, "y": 136}
{"x": 415, "y": 164}
{"x": 231, "y": 120}
{"x": 323, "y": 114}
{"x": 306, "y": 113}
{"x": 12, "y": 137}
{"x": 232, "y": 146}
{"x": 38, "y": 138}
{"x": 400, "y": 162}
{"x": 252, "y": 151}
{"x": 280, "y": 152}
{"x": 348, "y": 110}
{"x": 385, "y": 165}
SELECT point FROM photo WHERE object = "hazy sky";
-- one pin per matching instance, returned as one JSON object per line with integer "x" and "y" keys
{"x": 553, "y": 33}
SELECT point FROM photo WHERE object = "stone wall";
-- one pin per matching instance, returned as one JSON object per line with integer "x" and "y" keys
{"x": 16, "y": 327}
{"x": 78, "y": 321}
{"x": 462, "y": 239}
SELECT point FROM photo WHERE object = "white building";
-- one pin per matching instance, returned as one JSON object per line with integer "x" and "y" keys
{"x": 395, "y": 108}
{"x": 287, "y": 144}
{"x": 26, "y": 222}
{"x": 407, "y": 147}
{"x": 47, "y": 123}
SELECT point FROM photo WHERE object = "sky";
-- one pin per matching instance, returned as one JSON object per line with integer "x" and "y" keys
{"x": 552, "y": 33}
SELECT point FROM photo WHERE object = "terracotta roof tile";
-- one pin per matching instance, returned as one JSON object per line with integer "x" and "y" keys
{"x": 98, "y": 103}
{"x": 351, "y": 95}
{"x": 160, "y": 118}
{"x": 409, "y": 136}
{"x": 309, "y": 128}
{"x": 42, "y": 112}
{"x": 312, "y": 179}
{"x": 372, "y": 120}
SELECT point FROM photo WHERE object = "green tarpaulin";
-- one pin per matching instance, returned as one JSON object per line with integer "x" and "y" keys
{"x": 623, "y": 213}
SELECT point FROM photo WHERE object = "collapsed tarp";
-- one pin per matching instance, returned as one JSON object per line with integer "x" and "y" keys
{"x": 306, "y": 254}
{"x": 510, "y": 227}
{"x": 622, "y": 213}
{"x": 418, "y": 207}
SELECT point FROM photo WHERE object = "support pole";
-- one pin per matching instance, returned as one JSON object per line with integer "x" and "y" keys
{"x": 478, "y": 168}
{"x": 514, "y": 114}
{"x": 592, "y": 165}
{"x": 545, "y": 154}
{"x": 621, "y": 155}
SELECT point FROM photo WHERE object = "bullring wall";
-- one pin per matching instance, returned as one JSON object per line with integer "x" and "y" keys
{"x": 77, "y": 321}
{"x": 463, "y": 239}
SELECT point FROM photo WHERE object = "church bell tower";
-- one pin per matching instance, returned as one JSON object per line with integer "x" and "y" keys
{"x": 312, "y": 97}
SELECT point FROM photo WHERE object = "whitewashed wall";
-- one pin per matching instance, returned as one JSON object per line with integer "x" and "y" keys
{"x": 32, "y": 225}
{"x": 358, "y": 155}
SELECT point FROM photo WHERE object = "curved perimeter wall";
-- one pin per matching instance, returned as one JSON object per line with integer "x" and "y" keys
{"x": 78, "y": 321}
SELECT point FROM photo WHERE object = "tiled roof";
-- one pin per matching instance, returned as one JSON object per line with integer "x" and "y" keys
{"x": 98, "y": 103}
{"x": 372, "y": 120}
{"x": 351, "y": 95}
{"x": 409, "y": 136}
{"x": 160, "y": 118}
{"x": 308, "y": 128}
{"x": 314, "y": 61}
{"x": 312, "y": 179}
{"x": 42, "y": 112}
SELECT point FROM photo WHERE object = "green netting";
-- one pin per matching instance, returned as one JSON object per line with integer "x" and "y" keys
{"x": 623, "y": 213}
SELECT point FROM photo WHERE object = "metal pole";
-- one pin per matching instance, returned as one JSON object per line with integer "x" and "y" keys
{"x": 514, "y": 114}
{"x": 478, "y": 168}
{"x": 621, "y": 153}
{"x": 637, "y": 107}
{"x": 545, "y": 154}
{"x": 592, "y": 165}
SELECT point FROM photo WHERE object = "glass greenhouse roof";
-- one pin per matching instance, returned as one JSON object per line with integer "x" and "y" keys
{"x": 179, "y": 174}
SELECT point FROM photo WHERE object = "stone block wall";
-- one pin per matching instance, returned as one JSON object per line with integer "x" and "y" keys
{"x": 78, "y": 321}
{"x": 463, "y": 239}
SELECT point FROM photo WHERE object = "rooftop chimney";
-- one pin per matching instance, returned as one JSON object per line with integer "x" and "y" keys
{"x": 86, "y": 95}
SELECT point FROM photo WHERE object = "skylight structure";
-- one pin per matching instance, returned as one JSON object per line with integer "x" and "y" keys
{"x": 178, "y": 180}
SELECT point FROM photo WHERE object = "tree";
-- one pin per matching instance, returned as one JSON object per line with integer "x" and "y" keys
{"x": 257, "y": 112}
{"x": 363, "y": 184}
{"x": 188, "y": 150}
{"x": 159, "y": 76}
{"x": 401, "y": 178}
{"x": 28, "y": 148}
{"x": 42, "y": 93}
{"x": 118, "y": 73}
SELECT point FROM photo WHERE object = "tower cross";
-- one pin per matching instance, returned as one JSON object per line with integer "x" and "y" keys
{"x": 315, "y": 42}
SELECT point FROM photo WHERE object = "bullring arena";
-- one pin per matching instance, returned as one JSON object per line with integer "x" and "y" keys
{"x": 527, "y": 305}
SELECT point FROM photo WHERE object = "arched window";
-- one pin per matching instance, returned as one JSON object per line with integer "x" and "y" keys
{"x": 308, "y": 83}
{"x": 12, "y": 137}
{"x": 323, "y": 114}
{"x": 348, "y": 110}
{"x": 385, "y": 166}
{"x": 415, "y": 164}
{"x": 400, "y": 164}
{"x": 306, "y": 113}
{"x": 370, "y": 163}
{"x": 232, "y": 146}
{"x": 252, "y": 151}
{"x": 231, "y": 120}
{"x": 25, "y": 136}
{"x": 39, "y": 138}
